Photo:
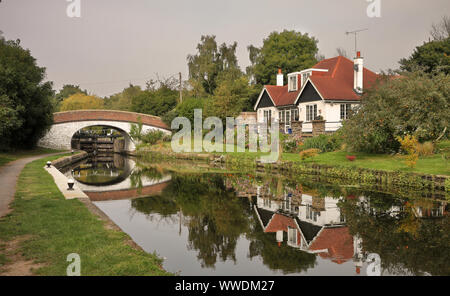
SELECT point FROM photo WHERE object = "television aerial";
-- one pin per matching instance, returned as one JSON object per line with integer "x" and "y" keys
{"x": 355, "y": 33}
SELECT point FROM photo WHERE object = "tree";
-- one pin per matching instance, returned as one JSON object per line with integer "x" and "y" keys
{"x": 81, "y": 101}
{"x": 441, "y": 30}
{"x": 431, "y": 56}
{"x": 289, "y": 50}
{"x": 123, "y": 100}
{"x": 155, "y": 102}
{"x": 209, "y": 62}
{"x": 25, "y": 99}
{"x": 414, "y": 104}
{"x": 68, "y": 90}
{"x": 230, "y": 97}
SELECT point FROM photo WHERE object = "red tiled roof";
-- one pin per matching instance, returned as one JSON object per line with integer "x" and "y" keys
{"x": 337, "y": 241}
{"x": 336, "y": 84}
{"x": 280, "y": 95}
{"x": 280, "y": 222}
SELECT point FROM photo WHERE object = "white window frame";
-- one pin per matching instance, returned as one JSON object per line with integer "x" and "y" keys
{"x": 344, "y": 111}
{"x": 293, "y": 82}
{"x": 311, "y": 112}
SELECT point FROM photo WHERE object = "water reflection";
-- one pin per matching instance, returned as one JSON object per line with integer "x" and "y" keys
{"x": 114, "y": 177}
{"x": 224, "y": 224}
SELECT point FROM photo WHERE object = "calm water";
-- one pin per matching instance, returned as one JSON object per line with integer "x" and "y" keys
{"x": 246, "y": 224}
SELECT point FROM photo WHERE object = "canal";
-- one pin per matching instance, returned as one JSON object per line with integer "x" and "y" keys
{"x": 218, "y": 222}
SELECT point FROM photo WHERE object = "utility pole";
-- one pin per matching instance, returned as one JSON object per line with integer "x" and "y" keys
{"x": 181, "y": 90}
{"x": 355, "y": 33}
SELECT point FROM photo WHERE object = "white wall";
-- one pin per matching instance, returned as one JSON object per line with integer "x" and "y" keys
{"x": 331, "y": 214}
{"x": 260, "y": 113}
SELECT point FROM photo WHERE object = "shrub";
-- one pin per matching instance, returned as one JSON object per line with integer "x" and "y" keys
{"x": 308, "y": 153}
{"x": 289, "y": 145}
{"x": 152, "y": 137}
{"x": 415, "y": 103}
{"x": 425, "y": 149}
{"x": 325, "y": 143}
{"x": 409, "y": 145}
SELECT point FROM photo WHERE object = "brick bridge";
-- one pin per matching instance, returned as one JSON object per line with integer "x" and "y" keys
{"x": 66, "y": 124}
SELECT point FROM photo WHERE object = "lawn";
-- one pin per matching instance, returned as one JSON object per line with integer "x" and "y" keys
{"x": 55, "y": 227}
{"x": 436, "y": 164}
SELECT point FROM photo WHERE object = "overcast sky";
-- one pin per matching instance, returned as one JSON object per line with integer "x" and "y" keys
{"x": 116, "y": 42}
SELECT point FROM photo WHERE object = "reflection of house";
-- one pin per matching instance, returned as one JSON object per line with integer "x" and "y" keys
{"x": 317, "y": 229}
{"x": 320, "y": 211}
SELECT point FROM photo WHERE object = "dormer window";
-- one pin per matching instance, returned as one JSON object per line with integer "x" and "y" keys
{"x": 305, "y": 77}
{"x": 292, "y": 83}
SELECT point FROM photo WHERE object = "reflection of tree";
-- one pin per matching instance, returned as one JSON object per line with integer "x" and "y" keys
{"x": 403, "y": 241}
{"x": 155, "y": 205}
{"x": 148, "y": 172}
{"x": 284, "y": 258}
{"x": 216, "y": 218}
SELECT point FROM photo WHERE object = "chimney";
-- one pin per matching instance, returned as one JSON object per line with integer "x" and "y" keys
{"x": 280, "y": 81}
{"x": 358, "y": 73}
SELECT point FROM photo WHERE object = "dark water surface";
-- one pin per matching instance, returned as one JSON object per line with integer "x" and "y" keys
{"x": 256, "y": 224}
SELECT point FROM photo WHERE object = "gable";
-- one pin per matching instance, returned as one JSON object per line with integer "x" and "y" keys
{"x": 265, "y": 101}
{"x": 309, "y": 94}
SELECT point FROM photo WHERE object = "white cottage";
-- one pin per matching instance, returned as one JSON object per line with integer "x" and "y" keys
{"x": 326, "y": 91}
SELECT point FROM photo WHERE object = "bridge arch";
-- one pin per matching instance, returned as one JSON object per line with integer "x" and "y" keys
{"x": 66, "y": 124}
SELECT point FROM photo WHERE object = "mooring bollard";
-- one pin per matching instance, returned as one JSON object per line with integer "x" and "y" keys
{"x": 70, "y": 183}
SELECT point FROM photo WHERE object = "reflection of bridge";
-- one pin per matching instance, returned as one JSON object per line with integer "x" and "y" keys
{"x": 125, "y": 189}
{"x": 66, "y": 124}
{"x": 127, "y": 193}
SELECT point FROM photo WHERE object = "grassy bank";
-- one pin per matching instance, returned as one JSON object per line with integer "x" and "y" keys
{"x": 6, "y": 157}
{"x": 50, "y": 227}
{"x": 436, "y": 164}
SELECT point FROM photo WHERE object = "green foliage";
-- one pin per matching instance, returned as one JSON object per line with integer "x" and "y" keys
{"x": 81, "y": 101}
{"x": 415, "y": 103}
{"x": 185, "y": 109}
{"x": 308, "y": 153}
{"x": 289, "y": 50}
{"x": 229, "y": 98}
{"x": 152, "y": 137}
{"x": 431, "y": 56}
{"x": 66, "y": 91}
{"x": 325, "y": 143}
{"x": 123, "y": 100}
{"x": 25, "y": 99}
{"x": 136, "y": 130}
{"x": 209, "y": 62}
{"x": 155, "y": 102}
{"x": 409, "y": 146}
